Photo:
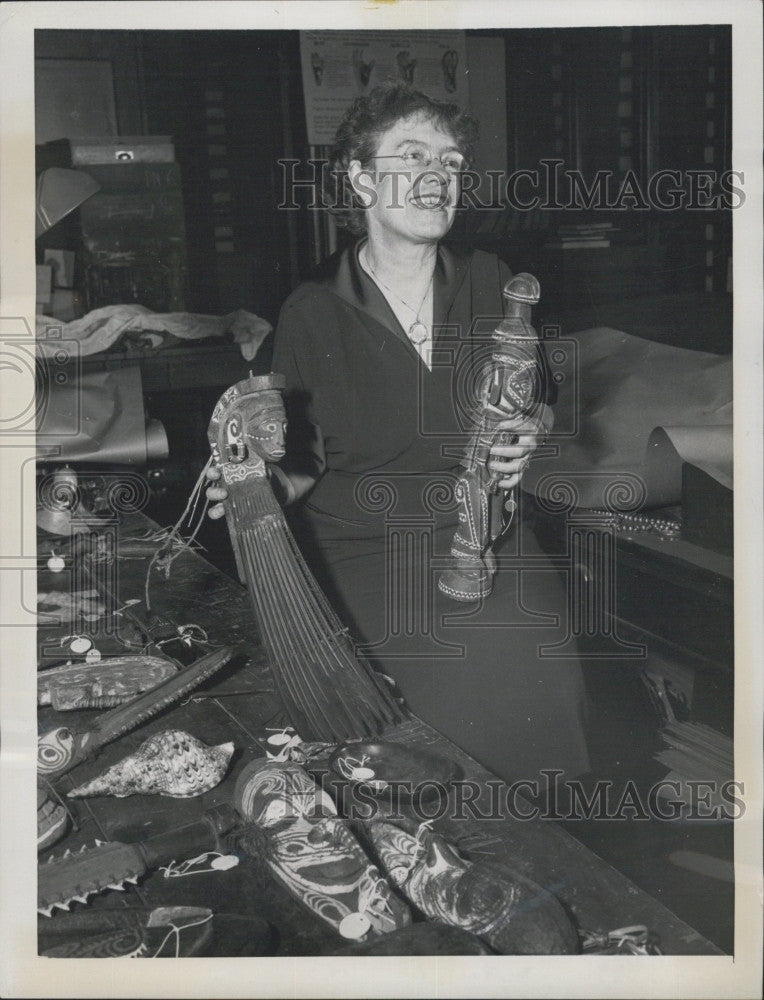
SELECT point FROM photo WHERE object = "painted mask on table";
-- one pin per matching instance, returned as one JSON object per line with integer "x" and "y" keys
{"x": 507, "y": 911}
{"x": 313, "y": 853}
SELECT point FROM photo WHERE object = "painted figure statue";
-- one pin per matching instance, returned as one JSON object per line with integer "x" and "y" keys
{"x": 512, "y": 388}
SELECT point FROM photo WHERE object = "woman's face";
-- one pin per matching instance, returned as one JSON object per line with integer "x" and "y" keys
{"x": 408, "y": 200}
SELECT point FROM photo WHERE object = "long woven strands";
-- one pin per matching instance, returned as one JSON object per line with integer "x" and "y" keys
{"x": 328, "y": 691}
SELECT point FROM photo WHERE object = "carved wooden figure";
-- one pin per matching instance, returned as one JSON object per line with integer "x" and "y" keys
{"x": 329, "y": 692}
{"x": 512, "y": 388}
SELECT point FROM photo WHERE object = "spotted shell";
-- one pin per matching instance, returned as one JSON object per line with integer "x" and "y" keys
{"x": 172, "y": 763}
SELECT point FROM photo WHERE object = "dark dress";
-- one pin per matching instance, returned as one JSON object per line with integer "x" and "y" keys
{"x": 378, "y": 525}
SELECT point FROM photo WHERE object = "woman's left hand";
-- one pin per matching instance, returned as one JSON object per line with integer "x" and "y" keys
{"x": 511, "y": 460}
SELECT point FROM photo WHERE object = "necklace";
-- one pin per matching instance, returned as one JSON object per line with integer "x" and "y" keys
{"x": 417, "y": 332}
{"x": 630, "y": 523}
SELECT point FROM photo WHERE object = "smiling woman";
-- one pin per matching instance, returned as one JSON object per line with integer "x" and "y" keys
{"x": 397, "y": 165}
{"x": 363, "y": 137}
{"x": 375, "y": 349}
{"x": 418, "y": 189}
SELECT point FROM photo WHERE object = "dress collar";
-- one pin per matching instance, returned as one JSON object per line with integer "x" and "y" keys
{"x": 347, "y": 279}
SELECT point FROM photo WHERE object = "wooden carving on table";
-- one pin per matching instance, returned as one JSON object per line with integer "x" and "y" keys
{"x": 512, "y": 388}
{"x": 328, "y": 691}
{"x": 104, "y": 684}
{"x": 507, "y": 911}
{"x": 63, "y": 748}
{"x": 127, "y": 932}
{"x": 75, "y": 876}
{"x": 294, "y": 828}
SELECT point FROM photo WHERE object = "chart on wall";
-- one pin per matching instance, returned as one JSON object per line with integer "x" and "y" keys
{"x": 338, "y": 66}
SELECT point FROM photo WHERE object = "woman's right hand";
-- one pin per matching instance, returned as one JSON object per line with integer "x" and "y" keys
{"x": 216, "y": 494}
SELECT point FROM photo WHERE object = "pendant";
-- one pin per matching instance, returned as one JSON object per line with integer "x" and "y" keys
{"x": 417, "y": 333}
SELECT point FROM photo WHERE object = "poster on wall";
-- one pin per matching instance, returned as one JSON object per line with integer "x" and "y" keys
{"x": 338, "y": 66}
{"x": 75, "y": 98}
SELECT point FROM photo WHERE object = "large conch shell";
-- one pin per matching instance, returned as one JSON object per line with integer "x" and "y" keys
{"x": 171, "y": 763}
{"x": 503, "y": 908}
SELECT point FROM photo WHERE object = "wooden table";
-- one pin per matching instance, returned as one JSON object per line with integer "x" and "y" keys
{"x": 596, "y": 895}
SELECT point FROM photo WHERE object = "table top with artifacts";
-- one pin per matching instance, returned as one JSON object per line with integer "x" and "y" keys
{"x": 181, "y": 813}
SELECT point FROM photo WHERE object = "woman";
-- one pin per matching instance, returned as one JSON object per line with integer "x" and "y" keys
{"x": 375, "y": 349}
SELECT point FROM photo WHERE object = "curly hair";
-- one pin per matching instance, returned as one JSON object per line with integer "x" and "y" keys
{"x": 361, "y": 129}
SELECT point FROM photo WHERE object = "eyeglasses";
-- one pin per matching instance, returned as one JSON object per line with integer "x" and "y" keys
{"x": 420, "y": 157}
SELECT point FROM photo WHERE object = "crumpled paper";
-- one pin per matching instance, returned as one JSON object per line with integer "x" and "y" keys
{"x": 99, "y": 329}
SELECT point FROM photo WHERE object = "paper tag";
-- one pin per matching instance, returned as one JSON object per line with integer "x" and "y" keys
{"x": 354, "y": 926}
{"x": 278, "y": 739}
{"x": 93, "y": 655}
{"x": 362, "y": 773}
{"x": 225, "y": 862}
{"x": 80, "y": 645}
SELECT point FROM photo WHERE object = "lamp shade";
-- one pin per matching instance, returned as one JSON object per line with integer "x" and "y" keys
{"x": 59, "y": 192}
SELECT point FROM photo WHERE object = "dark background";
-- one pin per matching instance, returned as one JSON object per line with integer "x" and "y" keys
{"x": 664, "y": 277}
{"x": 564, "y": 99}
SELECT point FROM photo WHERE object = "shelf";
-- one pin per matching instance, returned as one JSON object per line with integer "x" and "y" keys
{"x": 196, "y": 367}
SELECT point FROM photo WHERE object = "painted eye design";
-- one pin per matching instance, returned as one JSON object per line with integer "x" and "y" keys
{"x": 319, "y": 835}
{"x": 54, "y": 749}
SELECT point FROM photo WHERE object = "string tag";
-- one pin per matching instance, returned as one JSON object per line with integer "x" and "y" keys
{"x": 224, "y": 862}
{"x": 56, "y": 563}
{"x": 218, "y": 862}
{"x": 175, "y": 929}
{"x": 355, "y": 769}
{"x": 287, "y": 740}
{"x": 354, "y": 926}
{"x": 373, "y": 901}
{"x": 188, "y": 635}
